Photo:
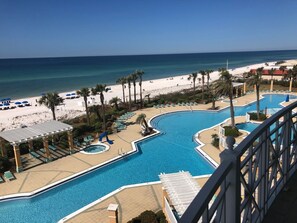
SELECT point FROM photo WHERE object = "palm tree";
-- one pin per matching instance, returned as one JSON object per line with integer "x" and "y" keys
{"x": 294, "y": 74}
{"x": 255, "y": 80}
{"x": 129, "y": 79}
{"x": 85, "y": 93}
{"x": 134, "y": 77}
{"x": 122, "y": 81}
{"x": 203, "y": 73}
{"x": 141, "y": 119}
{"x": 291, "y": 75}
{"x": 223, "y": 86}
{"x": 101, "y": 88}
{"x": 283, "y": 68}
{"x": 194, "y": 77}
{"x": 95, "y": 109}
{"x": 148, "y": 98}
{"x": 115, "y": 101}
{"x": 271, "y": 73}
{"x": 139, "y": 74}
{"x": 214, "y": 96}
{"x": 208, "y": 76}
{"x": 51, "y": 100}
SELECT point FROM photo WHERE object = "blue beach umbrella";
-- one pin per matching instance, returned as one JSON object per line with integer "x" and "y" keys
{"x": 17, "y": 103}
{"x": 73, "y": 94}
{"x": 287, "y": 98}
{"x": 68, "y": 94}
{"x": 25, "y": 102}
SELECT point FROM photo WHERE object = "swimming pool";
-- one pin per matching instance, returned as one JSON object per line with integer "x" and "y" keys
{"x": 95, "y": 149}
{"x": 248, "y": 126}
{"x": 171, "y": 151}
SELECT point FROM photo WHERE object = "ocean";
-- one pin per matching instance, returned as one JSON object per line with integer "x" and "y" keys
{"x": 21, "y": 78}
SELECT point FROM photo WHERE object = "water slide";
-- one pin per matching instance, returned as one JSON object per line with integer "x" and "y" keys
{"x": 104, "y": 134}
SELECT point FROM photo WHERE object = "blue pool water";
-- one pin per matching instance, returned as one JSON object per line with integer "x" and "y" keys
{"x": 95, "y": 148}
{"x": 249, "y": 126}
{"x": 171, "y": 151}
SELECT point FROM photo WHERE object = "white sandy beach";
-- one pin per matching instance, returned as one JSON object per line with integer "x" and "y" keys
{"x": 14, "y": 118}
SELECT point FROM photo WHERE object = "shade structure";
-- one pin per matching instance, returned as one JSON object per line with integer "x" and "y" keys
{"x": 18, "y": 103}
{"x": 68, "y": 94}
{"x": 21, "y": 135}
{"x": 181, "y": 189}
{"x": 25, "y": 102}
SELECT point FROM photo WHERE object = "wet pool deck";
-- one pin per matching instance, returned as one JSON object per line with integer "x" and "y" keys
{"x": 148, "y": 197}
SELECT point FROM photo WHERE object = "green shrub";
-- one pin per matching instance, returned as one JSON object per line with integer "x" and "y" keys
{"x": 253, "y": 116}
{"x": 215, "y": 140}
{"x": 279, "y": 62}
{"x": 149, "y": 217}
{"x": 161, "y": 217}
{"x": 229, "y": 131}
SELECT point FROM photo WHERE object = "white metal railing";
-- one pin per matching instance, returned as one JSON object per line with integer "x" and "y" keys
{"x": 247, "y": 117}
{"x": 250, "y": 176}
{"x": 168, "y": 212}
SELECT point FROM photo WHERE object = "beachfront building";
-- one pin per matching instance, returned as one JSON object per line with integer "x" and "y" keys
{"x": 277, "y": 74}
{"x": 43, "y": 131}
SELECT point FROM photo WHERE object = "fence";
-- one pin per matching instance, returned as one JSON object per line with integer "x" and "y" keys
{"x": 250, "y": 176}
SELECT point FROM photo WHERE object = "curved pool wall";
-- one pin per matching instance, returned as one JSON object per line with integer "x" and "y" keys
{"x": 171, "y": 151}
{"x": 93, "y": 152}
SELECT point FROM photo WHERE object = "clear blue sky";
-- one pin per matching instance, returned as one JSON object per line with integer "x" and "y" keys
{"x": 37, "y": 28}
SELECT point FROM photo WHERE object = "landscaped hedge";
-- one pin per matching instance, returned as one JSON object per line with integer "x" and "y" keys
{"x": 215, "y": 140}
{"x": 229, "y": 131}
{"x": 253, "y": 116}
{"x": 149, "y": 217}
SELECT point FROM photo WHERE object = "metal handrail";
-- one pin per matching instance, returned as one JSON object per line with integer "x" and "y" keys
{"x": 206, "y": 194}
{"x": 251, "y": 175}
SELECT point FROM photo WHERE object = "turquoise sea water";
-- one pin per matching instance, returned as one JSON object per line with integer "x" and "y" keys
{"x": 21, "y": 78}
{"x": 171, "y": 151}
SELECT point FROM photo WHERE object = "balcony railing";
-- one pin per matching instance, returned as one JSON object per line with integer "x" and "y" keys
{"x": 250, "y": 176}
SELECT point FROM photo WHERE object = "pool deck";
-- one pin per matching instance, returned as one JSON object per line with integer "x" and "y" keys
{"x": 130, "y": 206}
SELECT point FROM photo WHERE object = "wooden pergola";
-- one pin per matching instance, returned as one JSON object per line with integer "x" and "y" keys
{"x": 27, "y": 134}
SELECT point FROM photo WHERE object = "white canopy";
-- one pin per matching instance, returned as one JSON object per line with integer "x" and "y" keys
{"x": 181, "y": 189}
{"x": 25, "y": 134}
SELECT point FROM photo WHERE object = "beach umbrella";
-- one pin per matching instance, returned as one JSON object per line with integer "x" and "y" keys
{"x": 68, "y": 94}
{"x": 17, "y": 103}
{"x": 73, "y": 93}
{"x": 6, "y": 104}
{"x": 25, "y": 102}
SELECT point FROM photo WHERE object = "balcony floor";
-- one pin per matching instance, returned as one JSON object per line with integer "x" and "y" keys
{"x": 283, "y": 209}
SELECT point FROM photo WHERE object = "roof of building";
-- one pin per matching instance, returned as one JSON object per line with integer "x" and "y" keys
{"x": 181, "y": 189}
{"x": 21, "y": 135}
{"x": 276, "y": 72}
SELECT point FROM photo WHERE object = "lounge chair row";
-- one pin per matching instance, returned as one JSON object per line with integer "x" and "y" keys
{"x": 178, "y": 104}
{"x": 120, "y": 126}
{"x": 8, "y": 176}
{"x": 84, "y": 142}
{"x": 126, "y": 116}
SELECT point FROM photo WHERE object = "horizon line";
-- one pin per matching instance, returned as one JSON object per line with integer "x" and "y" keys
{"x": 153, "y": 54}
